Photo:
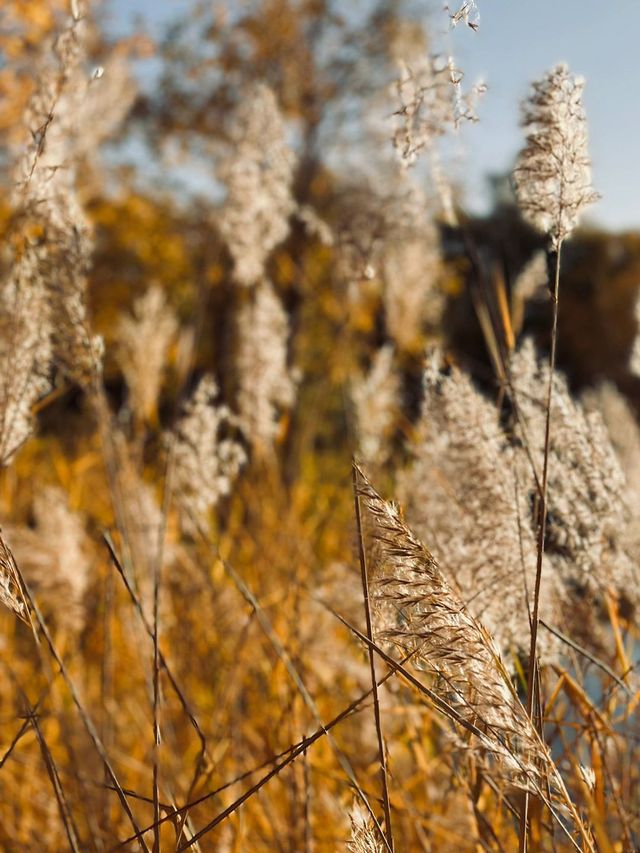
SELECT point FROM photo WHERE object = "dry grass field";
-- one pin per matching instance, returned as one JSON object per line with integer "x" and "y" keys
{"x": 318, "y": 531}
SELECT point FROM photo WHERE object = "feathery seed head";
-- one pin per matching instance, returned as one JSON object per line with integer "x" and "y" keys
{"x": 587, "y": 507}
{"x": 66, "y": 118}
{"x": 206, "y": 461}
{"x": 634, "y": 357}
{"x": 364, "y": 836}
{"x": 25, "y": 351}
{"x": 411, "y": 266}
{"x": 267, "y": 386}
{"x": 9, "y": 583}
{"x": 465, "y": 494}
{"x": 142, "y": 343}
{"x": 553, "y": 174}
{"x": 471, "y": 491}
{"x": 431, "y": 103}
{"x": 53, "y": 556}
{"x": 258, "y": 175}
{"x": 417, "y": 611}
{"x": 425, "y": 97}
{"x": 376, "y": 401}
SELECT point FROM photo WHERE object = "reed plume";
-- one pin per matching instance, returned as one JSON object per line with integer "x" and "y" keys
{"x": 553, "y": 185}
{"x": 44, "y": 317}
{"x": 54, "y": 556}
{"x": 142, "y": 341}
{"x": 634, "y": 355}
{"x": 207, "y": 460}
{"x": 418, "y": 612}
{"x": 25, "y": 351}
{"x": 588, "y": 506}
{"x": 472, "y": 488}
{"x": 411, "y": 268}
{"x": 431, "y": 104}
{"x": 47, "y": 198}
{"x": 10, "y": 593}
{"x": 468, "y": 492}
{"x": 553, "y": 174}
{"x": 258, "y": 174}
{"x": 376, "y": 402}
{"x": 266, "y": 383}
{"x": 364, "y": 837}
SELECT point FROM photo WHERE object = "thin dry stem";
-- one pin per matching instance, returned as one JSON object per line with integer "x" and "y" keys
{"x": 376, "y": 702}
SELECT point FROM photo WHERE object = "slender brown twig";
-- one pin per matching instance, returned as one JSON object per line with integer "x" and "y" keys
{"x": 163, "y": 661}
{"x": 533, "y": 674}
{"x": 545, "y": 481}
{"x": 372, "y": 666}
{"x": 66, "y": 815}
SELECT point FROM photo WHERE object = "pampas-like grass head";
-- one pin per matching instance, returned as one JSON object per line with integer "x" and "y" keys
{"x": 553, "y": 173}
{"x": 417, "y": 611}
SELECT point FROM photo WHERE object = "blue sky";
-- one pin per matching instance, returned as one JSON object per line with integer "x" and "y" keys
{"x": 517, "y": 41}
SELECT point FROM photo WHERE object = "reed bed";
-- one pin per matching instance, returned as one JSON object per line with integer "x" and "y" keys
{"x": 282, "y": 566}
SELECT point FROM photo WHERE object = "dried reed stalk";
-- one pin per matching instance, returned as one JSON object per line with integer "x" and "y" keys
{"x": 372, "y": 666}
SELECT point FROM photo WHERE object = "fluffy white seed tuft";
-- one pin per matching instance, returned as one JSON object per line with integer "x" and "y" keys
{"x": 553, "y": 174}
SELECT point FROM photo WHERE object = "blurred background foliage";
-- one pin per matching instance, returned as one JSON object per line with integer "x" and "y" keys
{"x": 154, "y": 222}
